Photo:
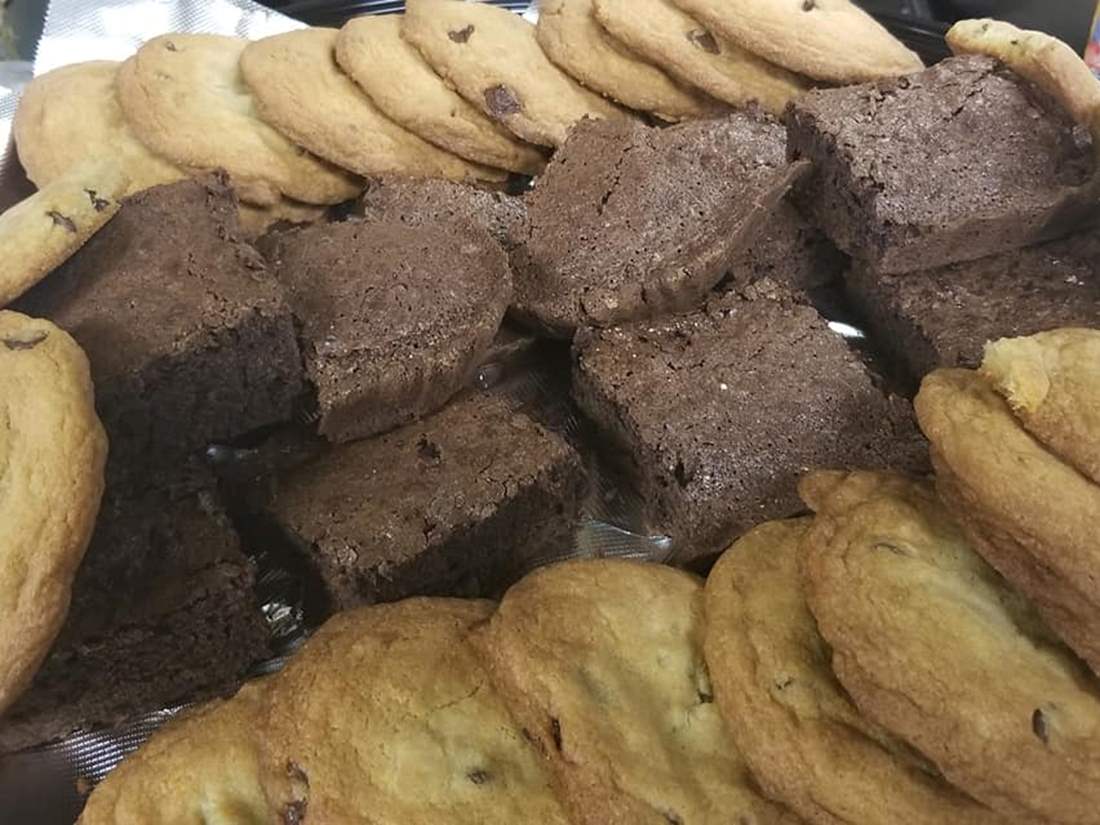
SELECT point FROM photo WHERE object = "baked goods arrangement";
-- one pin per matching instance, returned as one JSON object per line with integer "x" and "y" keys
{"x": 300, "y": 277}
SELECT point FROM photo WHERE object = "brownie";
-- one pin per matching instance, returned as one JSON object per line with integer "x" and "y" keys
{"x": 420, "y": 201}
{"x": 720, "y": 411}
{"x": 789, "y": 251}
{"x": 462, "y": 503}
{"x": 956, "y": 162}
{"x": 632, "y": 222}
{"x": 944, "y": 316}
{"x": 393, "y": 318}
{"x": 189, "y": 337}
{"x": 163, "y": 611}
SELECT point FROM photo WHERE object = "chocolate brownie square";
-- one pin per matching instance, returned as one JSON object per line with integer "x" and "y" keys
{"x": 461, "y": 503}
{"x": 632, "y": 222}
{"x": 163, "y": 611}
{"x": 944, "y": 316}
{"x": 394, "y": 318}
{"x": 188, "y": 336}
{"x": 957, "y": 162}
{"x": 722, "y": 410}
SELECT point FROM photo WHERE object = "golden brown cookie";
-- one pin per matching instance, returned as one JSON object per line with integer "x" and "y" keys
{"x": 575, "y": 41}
{"x": 1052, "y": 382}
{"x": 396, "y": 78}
{"x": 301, "y": 91}
{"x": 1031, "y": 515}
{"x": 803, "y": 739}
{"x": 492, "y": 58}
{"x": 184, "y": 97}
{"x": 386, "y": 716}
{"x": 931, "y": 643}
{"x": 695, "y": 56}
{"x": 52, "y": 452}
{"x": 203, "y": 767}
{"x": 834, "y": 41}
{"x": 602, "y": 662}
{"x": 42, "y": 231}
{"x": 72, "y": 115}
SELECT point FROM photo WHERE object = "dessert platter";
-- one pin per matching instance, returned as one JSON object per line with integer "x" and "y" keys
{"x": 649, "y": 412}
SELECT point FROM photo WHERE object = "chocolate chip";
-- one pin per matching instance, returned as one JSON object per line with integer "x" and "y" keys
{"x": 168, "y": 44}
{"x": 428, "y": 451}
{"x": 704, "y": 697}
{"x": 98, "y": 203}
{"x": 1039, "y": 726}
{"x": 809, "y": 5}
{"x": 786, "y": 683}
{"x": 555, "y": 732}
{"x": 462, "y": 35}
{"x": 62, "y": 220}
{"x": 294, "y": 813}
{"x": 502, "y": 101}
{"x": 478, "y": 776}
{"x": 704, "y": 40}
{"x": 27, "y": 342}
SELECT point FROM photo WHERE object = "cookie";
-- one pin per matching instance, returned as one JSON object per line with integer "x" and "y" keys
{"x": 1030, "y": 514}
{"x": 680, "y": 45}
{"x": 201, "y": 767}
{"x": 254, "y": 221}
{"x": 185, "y": 98}
{"x": 573, "y": 40}
{"x": 492, "y": 58}
{"x": 42, "y": 231}
{"x": 71, "y": 115}
{"x": 1052, "y": 382}
{"x": 52, "y": 453}
{"x": 802, "y": 737}
{"x": 301, "y": 91}
{"x": 932, "y": 644}
{"x": 386, "y": 716}
{"x": 396, "y": 78}
{"x": 833, "y": 41}
{"x": 602, "y": 663}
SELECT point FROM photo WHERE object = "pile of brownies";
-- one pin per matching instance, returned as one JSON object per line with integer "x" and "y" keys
{"x": 918, "y": 206}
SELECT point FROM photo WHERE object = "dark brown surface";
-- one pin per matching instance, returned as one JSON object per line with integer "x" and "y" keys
{"x": 188, "y": 336}
{"x": 954, "y": 163}
{"x": 789, "y": 251}
{"x": 427, "y": 201}
{"x": 393, "y": 318}
{"x": 631, "y": 222}
{"x": 461, "y": 503}
{"x": 944, "y": 316}
{"x": 722, "y": 410}
{"x": 163, "y": 611}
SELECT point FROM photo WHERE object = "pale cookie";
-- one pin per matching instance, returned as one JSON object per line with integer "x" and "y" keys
{"x": 254, "y": 221}
{"x": 1052, "y": 382}
{"x": 492, "y": 58}
{"x": 602, "y": 662}
{"x": 834, "y": 41}
{"x": 185, "y": 98}
{"x": 386, "y": 716}
{"x": 394, "y": 75}
{"x": 1032, "y": 516}
{"x": 72, "y": 115}
{"x": 52, "y": 452}
{"x": 301, "y": 91}
{"x": 802, "y": 737}
{"x": 573, "y": 39}
{"x": 42, "y": 231}
{"x": 680, "y": 45}
{"x": 932, "y": 644}
{"x": 203, "y": 767}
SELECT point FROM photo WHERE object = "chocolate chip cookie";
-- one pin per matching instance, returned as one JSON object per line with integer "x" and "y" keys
{"x": 933, "y": 645}
{"x": 601, "y": 662}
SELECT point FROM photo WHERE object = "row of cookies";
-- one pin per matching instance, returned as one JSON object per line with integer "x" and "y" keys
{"x": 862, "y": 665}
